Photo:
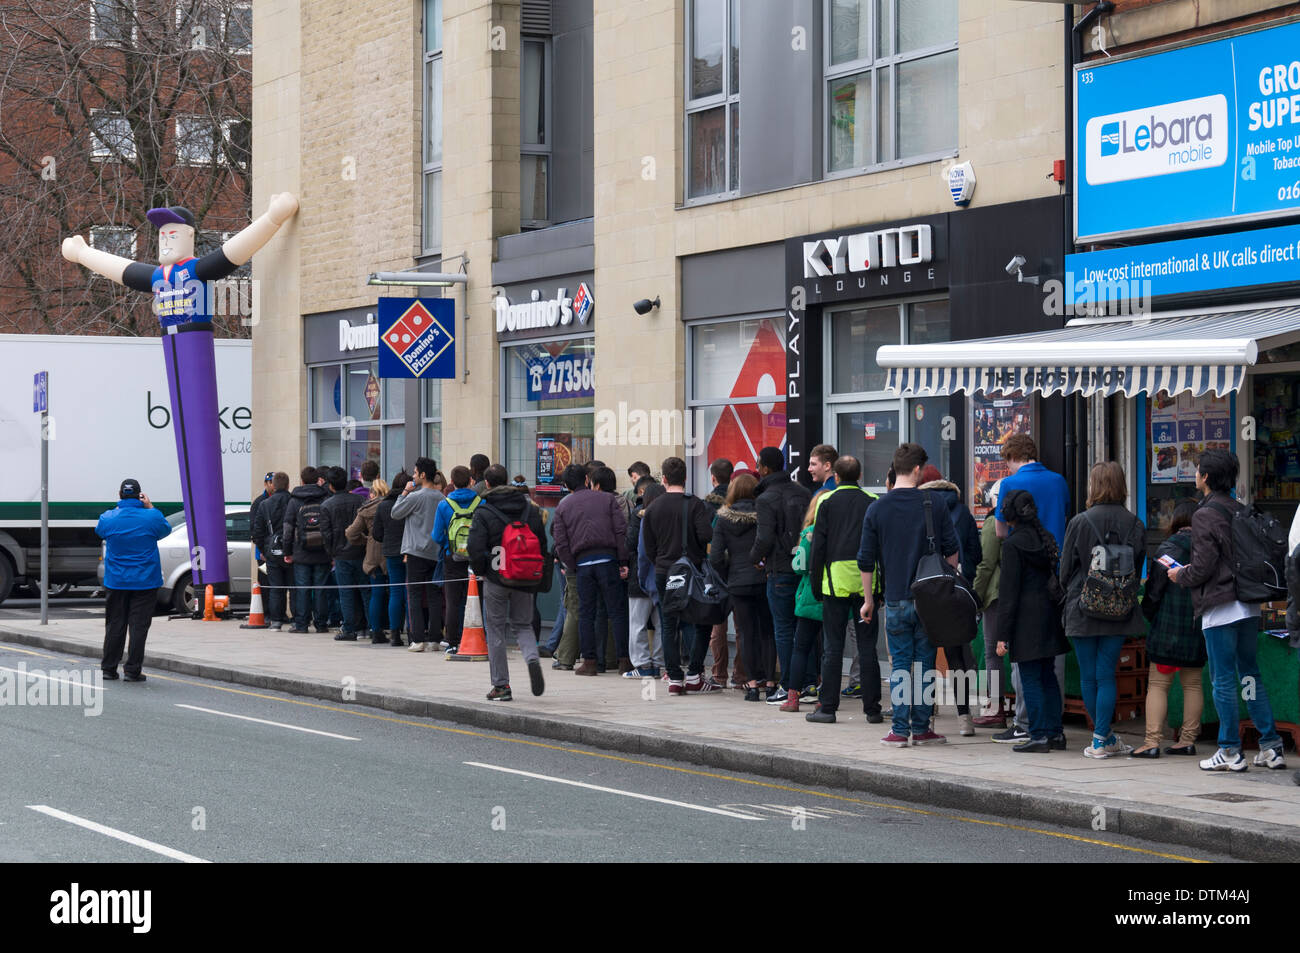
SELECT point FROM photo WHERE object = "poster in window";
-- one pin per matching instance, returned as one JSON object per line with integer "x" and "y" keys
{"x": 993, "y": 421}
{"x": 742, "y": 430}
{"x": 554, "y": 453}
{"x": 1164, "y": 439}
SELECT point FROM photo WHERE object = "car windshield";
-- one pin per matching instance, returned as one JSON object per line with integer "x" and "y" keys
{"x": 176, "y": 519}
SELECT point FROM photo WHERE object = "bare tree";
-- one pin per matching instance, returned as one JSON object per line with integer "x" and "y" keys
{"x": 109, "y": 108}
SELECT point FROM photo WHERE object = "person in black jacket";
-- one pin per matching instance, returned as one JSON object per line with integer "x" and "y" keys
{"x": 340, "y": 510}
{"x": 387, "y": 531}
{"x": 781, "y": 505}
{"x": 733, "y": 538}
{"x": 1029, "y": 619}
{"x": 268, "y": 524}
{"x": 661, "y": 530}
{"x": 305, "y": 550}
{"x": 507, "y": 603}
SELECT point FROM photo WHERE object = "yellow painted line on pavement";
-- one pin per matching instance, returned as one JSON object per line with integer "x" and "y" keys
{"x": 690, "y": 771}
{"x": 11, "y": 648}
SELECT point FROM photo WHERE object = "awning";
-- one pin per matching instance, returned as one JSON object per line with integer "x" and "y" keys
{"x": 1186, "y": 351}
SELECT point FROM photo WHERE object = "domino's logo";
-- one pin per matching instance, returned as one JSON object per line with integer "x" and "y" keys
{"x": 1110, "y": 139}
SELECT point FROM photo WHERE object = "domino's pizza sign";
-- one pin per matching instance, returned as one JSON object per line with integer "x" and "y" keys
{"x": 416, "y": 338}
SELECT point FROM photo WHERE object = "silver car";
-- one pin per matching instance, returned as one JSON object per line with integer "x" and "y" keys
{"x": 177, "y": 592}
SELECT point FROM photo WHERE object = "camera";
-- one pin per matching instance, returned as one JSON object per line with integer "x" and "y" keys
{"x": 1015, "y": 264}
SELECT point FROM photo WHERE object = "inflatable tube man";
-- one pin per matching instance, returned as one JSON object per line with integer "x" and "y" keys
{"x": 183, "y": 299}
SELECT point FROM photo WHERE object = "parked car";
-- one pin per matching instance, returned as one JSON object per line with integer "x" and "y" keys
{"x": 177, "y": 592}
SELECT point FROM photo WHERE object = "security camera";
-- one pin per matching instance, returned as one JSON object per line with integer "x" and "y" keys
{"x": 1015, "y": 264}
{"x": 645, "y": 306}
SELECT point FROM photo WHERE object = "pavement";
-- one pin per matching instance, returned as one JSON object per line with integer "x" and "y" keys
{"x": 185, "y": 769}
{"x": 1250, "y": 816}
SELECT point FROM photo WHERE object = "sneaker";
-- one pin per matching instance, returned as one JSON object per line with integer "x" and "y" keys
{"x": 297, "y": 631}
{"x": 535, "y": 677}
{"x": 892, "y": 740}
{"x": 965, "y": 726}
{"x": 1012, "y": 736}
{"x": 790, "y": 704}
{"x": 649, "y": 672}
{"x": 443, "y": 645}
{"x": 345, "y": 637}
{"x": 989, "y": 721}
{"x": 1223, "y": 761}
{"x": 929, "y": 738}
{"x": 676, "y": 687}
{"x": 777, "y": 695}
{"x": 1058, "y": 742}
{"x": 701, "y": 685}
{"x": 1270, "y": 758}
{"x": 501, "y": 694}
{"x": 415, "y": 647}
{"x": 1041, "y": 746}
{"x": 874, "y": 717}
{"x": 1117, "y": 747}
{"x": 853, "y": 691}
{"x": 810, "y": 694}
{"x": 276, "y": 626}
{"x": 821, "y": 716}
{"x": 557, "y": 664}
{"x": 451, "y": 650}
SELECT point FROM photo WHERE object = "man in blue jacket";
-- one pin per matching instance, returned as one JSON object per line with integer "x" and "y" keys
{"x": 132, "y": 576}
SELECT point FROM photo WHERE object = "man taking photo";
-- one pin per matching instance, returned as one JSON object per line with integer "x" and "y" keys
{"x": 132, "y": 576}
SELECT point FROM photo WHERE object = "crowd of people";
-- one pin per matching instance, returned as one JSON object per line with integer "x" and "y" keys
{"x": 808, "y": 574}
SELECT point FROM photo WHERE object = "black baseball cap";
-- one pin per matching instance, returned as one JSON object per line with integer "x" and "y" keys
{"x": 175, "y": 215}
{"x": 129, "y": 490}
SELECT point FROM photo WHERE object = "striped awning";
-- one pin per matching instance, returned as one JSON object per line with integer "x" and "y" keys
{"x": 1198, "y": 352}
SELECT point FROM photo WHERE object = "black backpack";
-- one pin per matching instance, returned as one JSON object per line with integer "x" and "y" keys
{"x": 275, "y": 521}
{"x": 791, "y": 512}
{"x": 1110, "y": 588}
{"x": 944, "y": 603}
{"x": 311, "y": 528}
{"x": 695, "y": 593}
{"x": 1259, "y": 551}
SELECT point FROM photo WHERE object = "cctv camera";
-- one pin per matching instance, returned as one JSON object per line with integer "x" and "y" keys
{"x": 1015, "y": 264}
{"x": 645, "y": 305}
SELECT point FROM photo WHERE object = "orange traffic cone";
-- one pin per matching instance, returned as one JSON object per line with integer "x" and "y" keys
{"x": 209, "y": 613}
{"x": 473, "y": 642}
{"x": 256, "y": 620}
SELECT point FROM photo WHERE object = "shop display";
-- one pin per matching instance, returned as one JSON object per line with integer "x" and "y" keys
{"x": 1276, "y": 459}
{"x": 994, "y": 420}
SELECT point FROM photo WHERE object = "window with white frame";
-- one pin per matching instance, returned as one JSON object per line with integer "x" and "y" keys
{"x": 862, "y": 419}
{"x": 431, "y": 176}
{"x": 534, "y": 132}
{"x": 431, "y": 422}
{"x": 115, "y": 239}
{"x": 890, "y": 82}
{"x": 200, "y": 141}
{"x": 112, "y": 21}
{"x": 111, "y": 138}
{"x": 712, "y": 98}
{"x": 548, "y": 406}
{"x": 215, "y": 25}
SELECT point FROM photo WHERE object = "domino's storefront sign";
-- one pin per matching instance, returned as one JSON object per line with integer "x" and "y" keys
{"x": 1206, "y": 134}
{"x": 417, "y": 338}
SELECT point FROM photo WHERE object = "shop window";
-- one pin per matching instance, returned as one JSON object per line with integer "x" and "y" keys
{"x": 431, "y": 187}
{"x": 735, "y": 394}
{"x": 354, "y": 417}
{"x": 548, "y": 407}
{"x": 431, "y": 420}
{"x": 894, "y": 99}
{"x": 712, "y": 98}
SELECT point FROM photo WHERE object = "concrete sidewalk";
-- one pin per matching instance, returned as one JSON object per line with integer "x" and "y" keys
{"x": 1254, "y": 816}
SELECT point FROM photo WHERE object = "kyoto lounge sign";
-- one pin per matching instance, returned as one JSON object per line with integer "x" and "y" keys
{"x": 867, "y": 251}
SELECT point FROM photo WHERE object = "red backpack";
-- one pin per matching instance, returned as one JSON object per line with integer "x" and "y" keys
{"x": 521, "y": 561}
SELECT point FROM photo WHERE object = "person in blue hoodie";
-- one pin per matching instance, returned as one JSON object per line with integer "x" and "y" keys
{"x": 132, "y": 576}
{"x": 458, "y": 509}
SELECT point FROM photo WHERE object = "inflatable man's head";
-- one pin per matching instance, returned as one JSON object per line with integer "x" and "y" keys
{"x": 175, "y": 233}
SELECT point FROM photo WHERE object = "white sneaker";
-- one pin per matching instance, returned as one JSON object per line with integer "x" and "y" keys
{"x": 1270, "y": 758}
{"x": 965, "y": 726}
{"x": 415, "y": 647}
{"x": 1118, "y": 747}
{"x": 1222, "y": 761}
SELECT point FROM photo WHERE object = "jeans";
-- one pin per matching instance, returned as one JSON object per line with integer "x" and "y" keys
{"x": 1232, "y": 668}
{"x": 756, "y": 635}
{"x": 993, "y": 661}
{"x": 278, "y": 578}
{"x": 454, "y": 592}
{"x": 557, "y": 630}
{"x": 912, "y": 678}
{"x": 781, "y": 587}
{"x": 375, "y": 614}
{"x": 1021, "y": 718}
{"x": 837, "y": 613}
{"x": 426, "y": 622}
{"x": 123, "y": 609}
{"x": 806, "y": 634}
{"x": 507, "y": 614}
{"x": 396, "y": 593}
{"x": 311, "y": 602}
{"x": 601, "y": 583}
{"x": 1098, "y": 657}
{"x": 1042, "y": 698}
{"x": 347, "y": 575}
{"x": 674, "y": 634}
{"x": 333, "y": 611}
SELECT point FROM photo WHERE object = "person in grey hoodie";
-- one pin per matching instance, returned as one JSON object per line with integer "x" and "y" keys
{"x": 418, "y": 506}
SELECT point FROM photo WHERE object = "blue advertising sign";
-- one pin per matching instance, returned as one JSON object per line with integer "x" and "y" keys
{"x": 1262, "y": 257}
{"x": 559, "y": 378}
{"x": 40, "y": 392}
{"x": 1205, "y": 134}
{"x": 416, "y": 338}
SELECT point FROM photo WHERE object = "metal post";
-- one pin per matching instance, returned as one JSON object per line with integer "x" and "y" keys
{"x": 45, "y": 515}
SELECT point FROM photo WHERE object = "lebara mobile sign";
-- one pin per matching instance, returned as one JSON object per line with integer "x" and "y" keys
{"x": 1205, "y": 134}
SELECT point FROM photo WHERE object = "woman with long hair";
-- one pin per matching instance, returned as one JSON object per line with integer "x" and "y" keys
{"x": 733, "y": 537}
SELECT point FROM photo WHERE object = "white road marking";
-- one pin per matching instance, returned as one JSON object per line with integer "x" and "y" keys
{"x": 50, "y": 678}
{"x": 263, "y": 721}
{"x": 596, "y": 787}
{"x": 120, "y": 835}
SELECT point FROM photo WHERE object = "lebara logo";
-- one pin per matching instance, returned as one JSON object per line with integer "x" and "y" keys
{"x": 1110, "y": 139}
{"x": 1157, "y": 140}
